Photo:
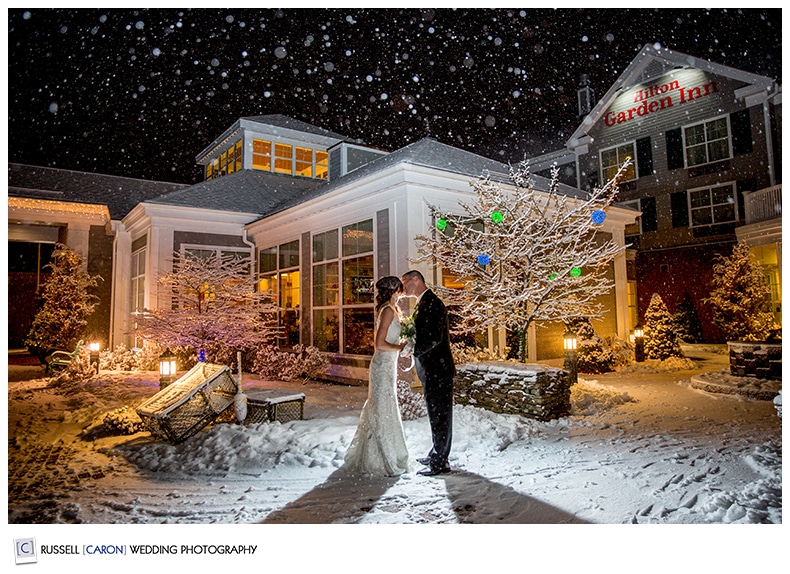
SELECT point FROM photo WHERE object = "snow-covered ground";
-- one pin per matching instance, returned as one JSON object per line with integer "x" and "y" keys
{"x": 641, "y": 447}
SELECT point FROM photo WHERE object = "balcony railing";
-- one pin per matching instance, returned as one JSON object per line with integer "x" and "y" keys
{"x": 763, "y": 204}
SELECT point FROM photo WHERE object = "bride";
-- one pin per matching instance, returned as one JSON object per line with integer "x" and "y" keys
{"x": 379, "y": 447}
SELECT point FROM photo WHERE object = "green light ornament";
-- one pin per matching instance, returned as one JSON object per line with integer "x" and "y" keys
{"x": 552, "y": 276}
{"x": 441, "y": 224}
{"x": 575, "y": 272}
{"x": 497, "y": 217}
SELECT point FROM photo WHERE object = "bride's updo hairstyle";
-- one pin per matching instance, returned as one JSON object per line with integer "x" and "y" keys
{"x": 386, "y": 287}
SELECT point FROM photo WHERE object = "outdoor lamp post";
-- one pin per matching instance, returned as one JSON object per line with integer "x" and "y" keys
{"x": 94, "y": 350}
{"x": 569, "y": 342}
{"x": 167, "y": 368}
{"x": 639, "y": 343}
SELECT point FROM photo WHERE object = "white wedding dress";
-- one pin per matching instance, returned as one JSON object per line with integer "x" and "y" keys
{"x": 379, "y": 447}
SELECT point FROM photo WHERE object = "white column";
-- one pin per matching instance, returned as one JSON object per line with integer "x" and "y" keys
{"x": 621, "y": 285}
{"x": 120, "y": 310}
{"x": 78, "y": 239}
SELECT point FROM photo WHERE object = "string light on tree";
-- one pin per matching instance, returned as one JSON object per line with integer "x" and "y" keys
{"x": 441, "y": 224}
{"x": 539, "y": 251}
{"x": 598, "y": 216}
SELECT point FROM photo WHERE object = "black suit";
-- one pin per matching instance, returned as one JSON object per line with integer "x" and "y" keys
{"x": 436, "y": 369}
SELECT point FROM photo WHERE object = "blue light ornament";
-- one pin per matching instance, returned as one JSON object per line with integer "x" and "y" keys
{"x": 598, "y": 216}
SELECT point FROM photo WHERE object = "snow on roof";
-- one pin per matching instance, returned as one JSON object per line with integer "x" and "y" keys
{"x": 245, "y": 191}
{"x": 281, "y": 121}
{"x": 119, "y": 194}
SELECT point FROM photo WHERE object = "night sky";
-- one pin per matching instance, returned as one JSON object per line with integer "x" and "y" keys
{"x": 140, "y": 93}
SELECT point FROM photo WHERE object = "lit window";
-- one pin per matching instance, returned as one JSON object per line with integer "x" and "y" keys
{"x": 262, "y": 155}
{"x": 343, "y": 289}
{"x": 304, "y": 162}
{"x": 613, "y": 158}
{"x": 278, "y": 273}
{"x": 707, "y": 142}
{"x": 238, "y": 155}
{"x": 283, "y": 158}
{"x": 321, "y": 164}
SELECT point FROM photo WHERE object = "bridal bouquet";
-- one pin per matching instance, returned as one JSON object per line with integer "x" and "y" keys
{"x": 408, "y": 333}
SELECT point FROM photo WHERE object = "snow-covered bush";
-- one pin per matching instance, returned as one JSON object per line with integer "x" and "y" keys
{"x": 468, "y": 354}
{"x": 123, "y": 421}
{"x": 594, "y": 355}
{"x": 124, "y": 359}
{"x": 78, "y": 369}
{"x": 299, "y": 363}
{"x": 412, "y": 405}
{"x": 661, "y": 341}
{"x": 118, "y": 422}
{"x": 622, "y": 351}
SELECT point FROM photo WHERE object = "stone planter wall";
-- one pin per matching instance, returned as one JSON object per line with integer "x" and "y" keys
{"x": 535, "y": 391}
{"x": 755, "y": 359}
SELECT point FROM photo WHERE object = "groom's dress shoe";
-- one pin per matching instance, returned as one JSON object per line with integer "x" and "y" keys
{"x": 433, "y": 471}
{"x": 425, "y": 461}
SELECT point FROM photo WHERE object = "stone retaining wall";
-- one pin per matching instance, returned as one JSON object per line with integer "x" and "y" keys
{"x": 535, "y": 391}
{"x": 756, "y": 359}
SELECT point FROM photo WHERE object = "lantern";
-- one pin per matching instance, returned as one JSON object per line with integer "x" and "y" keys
{"x": 569, "y": 342}
{"x": 167, "y": 368}
{"x": 94, "y": 349}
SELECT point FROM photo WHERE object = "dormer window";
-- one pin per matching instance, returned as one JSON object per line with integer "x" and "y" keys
{"x": 275, "y": 156}
{"x": 283, "y": 146}
{"x": 227, "y": 162}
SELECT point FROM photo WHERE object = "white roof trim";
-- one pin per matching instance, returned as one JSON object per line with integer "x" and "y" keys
{"x": 649, "y": 54}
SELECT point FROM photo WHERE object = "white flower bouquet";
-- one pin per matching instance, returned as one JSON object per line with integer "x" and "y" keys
{"x": 408, "y": 333}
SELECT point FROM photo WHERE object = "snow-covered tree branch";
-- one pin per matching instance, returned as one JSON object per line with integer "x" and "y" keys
{"x": 215, "y": 302}
{"x": 523, "y": 255}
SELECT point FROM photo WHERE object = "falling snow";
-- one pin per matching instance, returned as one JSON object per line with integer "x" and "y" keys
{"x": 164, "y": 83}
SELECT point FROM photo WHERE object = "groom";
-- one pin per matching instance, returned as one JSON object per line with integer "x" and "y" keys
{"x": 435, "y": 368}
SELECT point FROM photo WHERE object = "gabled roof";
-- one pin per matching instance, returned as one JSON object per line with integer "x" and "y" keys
{"x": 119, "y": 194}
{"x": 654, "y": 61}
{"x": 244, "y": 191}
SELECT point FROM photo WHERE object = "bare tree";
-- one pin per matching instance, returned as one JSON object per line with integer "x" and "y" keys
{"x": 215, "y": 304}
{"x": 523, "y": 255}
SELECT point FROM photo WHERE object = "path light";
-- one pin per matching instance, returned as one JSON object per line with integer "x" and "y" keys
{"x": 570, "y": 342}
{"x": 94, "y": 351}
{"x": 639, "y": 343}
{"x": 167, "y": 368}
